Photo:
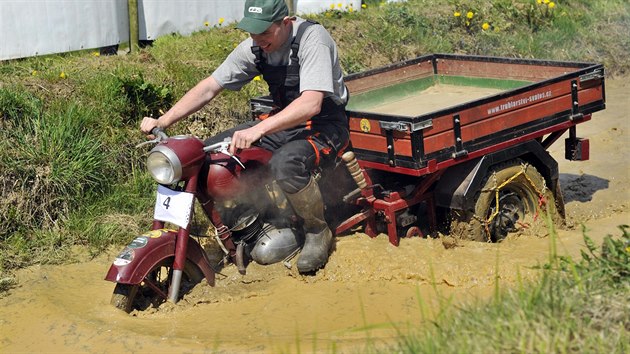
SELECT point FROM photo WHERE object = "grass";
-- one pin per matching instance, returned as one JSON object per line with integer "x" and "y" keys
{"x": 54, "y": 154}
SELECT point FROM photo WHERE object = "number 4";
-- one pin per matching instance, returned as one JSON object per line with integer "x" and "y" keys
{"x": 167, "y": 202}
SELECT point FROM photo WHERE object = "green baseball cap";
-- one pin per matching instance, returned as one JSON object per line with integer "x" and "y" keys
{"x": 258, "y": 15}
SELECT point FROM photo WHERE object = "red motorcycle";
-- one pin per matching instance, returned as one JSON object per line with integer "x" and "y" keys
{"x": 252, "y": 219}
{"x": 254, "y": 222}
{"x": 480, "y": 166}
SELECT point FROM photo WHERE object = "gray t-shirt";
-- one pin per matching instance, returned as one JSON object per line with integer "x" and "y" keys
{"x": 318, "y": 59}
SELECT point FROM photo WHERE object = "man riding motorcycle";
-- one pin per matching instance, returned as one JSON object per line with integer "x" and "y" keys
{"x": 308, "y": 127}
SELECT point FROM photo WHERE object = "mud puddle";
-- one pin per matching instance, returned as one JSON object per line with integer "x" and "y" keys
{"x": 369, "y": 291}
{"x": 434, "y": 98}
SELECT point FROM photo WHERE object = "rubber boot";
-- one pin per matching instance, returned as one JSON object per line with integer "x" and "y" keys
{"x": 308, "y": 204}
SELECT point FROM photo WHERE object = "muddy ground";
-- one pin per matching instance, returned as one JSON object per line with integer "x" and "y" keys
{"x": 369, "y": 291}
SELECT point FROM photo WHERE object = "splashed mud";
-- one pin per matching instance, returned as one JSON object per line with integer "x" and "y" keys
{"x": 369, "y": 291}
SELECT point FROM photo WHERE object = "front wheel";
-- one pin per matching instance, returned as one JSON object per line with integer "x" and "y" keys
{"x": 153, "y": 290}
{"x": 514, "y": 198}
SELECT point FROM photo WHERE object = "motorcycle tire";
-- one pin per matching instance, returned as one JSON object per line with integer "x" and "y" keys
{"x": 129, "y": 297}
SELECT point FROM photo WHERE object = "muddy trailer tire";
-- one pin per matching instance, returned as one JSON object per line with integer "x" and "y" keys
{"x": 129, "y": 297}
{"x": 514, "y": 198}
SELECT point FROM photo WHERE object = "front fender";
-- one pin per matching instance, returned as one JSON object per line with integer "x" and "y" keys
{"x": 135, "y": 261}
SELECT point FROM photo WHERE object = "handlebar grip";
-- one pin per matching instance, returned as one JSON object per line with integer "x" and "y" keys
{"x": 159, "y": 132}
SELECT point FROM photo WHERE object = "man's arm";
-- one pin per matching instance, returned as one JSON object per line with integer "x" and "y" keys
{"x": 308, "y": 105}
{"x": 192, "y": 101}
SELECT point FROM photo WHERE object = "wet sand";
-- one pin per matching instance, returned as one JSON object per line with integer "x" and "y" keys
{"x": 369, "y": 291}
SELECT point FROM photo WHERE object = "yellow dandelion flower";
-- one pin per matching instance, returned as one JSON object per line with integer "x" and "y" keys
{"x": 62, "y": 75}
{"x": 363, "y": 6}
{"x": 350, "y": 9}
{"x": 206, "y": 23}
{"x": 339, "y": 5}
{"x": 545, "y": 1}
{"x": 34, "y": 72}
{"x": 257, "y": 78}
{"x": 221, "y": 20}
{"x": 457, "y": 14}
{"x": 485, "y": 26}
{"x": 552, "y": 5}
{"x": 470, "y": 14}
{"x": 96, "y": 54}
{"x": 539, "y": 1}
{"x": 332, "y": 6}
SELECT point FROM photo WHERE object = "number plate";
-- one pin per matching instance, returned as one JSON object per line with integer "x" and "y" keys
{"x": 172, "y": 206}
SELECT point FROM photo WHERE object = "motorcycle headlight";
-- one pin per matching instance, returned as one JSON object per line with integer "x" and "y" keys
{"x": 164, "y": 165}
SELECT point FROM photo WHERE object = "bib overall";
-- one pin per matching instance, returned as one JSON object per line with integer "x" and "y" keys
{"x": 299, "y": 150}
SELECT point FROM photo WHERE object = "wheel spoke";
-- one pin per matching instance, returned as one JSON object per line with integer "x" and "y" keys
{"x": 155, "y": 288}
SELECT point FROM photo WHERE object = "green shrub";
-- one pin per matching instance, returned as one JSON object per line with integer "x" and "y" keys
{"x": 611, "y": 263}
{"x": 145, "y": 98}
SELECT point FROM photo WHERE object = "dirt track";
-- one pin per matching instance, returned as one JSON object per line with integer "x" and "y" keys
{"x": 368, "y": 290}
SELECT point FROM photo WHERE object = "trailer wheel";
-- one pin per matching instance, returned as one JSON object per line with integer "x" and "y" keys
{"x": 514, "y": 198}
{"x": 154, "y": 288}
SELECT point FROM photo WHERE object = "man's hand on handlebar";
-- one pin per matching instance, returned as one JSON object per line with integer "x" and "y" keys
{"x": 147, "y": 125}
{"x": 243, "y": 139}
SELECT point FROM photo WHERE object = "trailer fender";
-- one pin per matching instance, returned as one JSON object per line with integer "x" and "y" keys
{"x": 145, "y": 251}
{"x": 459, "y": 184}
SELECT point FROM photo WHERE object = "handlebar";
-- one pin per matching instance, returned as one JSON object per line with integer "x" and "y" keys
{"x": 221, "y": 146}
{"x": 159, "y": 133}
